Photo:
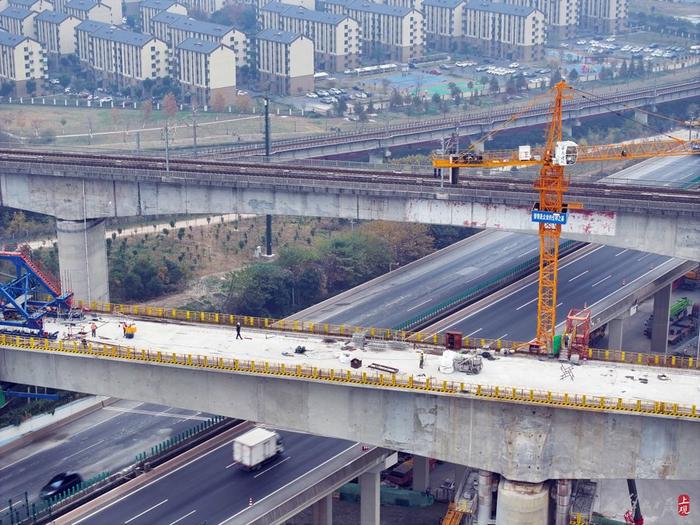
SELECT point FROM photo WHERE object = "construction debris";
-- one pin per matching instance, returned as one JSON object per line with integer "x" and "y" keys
{"x": 384, "y": 368}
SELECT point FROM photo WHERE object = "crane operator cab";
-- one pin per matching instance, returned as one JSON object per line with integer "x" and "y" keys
{"x": 565, "y": 153}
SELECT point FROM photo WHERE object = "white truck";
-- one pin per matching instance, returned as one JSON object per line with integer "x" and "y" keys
{"x": 256, "y": 447}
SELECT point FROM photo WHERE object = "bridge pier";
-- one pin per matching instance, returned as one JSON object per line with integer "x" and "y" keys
{"x": 369, "y": 497}
{"x": 323, "y": 511}
{"x": 659, "y": 325}
{"x": 615, "y": 334}
{"x": 421, "y": 473}
{"x": 641, "y": 117}
{"x": 485, "y": 493}
{"x": 563, "y": 501}
{"x": 82, "y": 259}
{"x": 521, "y": 503}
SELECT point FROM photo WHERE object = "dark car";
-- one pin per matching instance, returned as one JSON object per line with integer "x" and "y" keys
{"x": 59, "y": 484}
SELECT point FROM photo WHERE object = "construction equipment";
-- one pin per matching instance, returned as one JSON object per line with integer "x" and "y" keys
{"x": 634, "y": 515}
{"x": 576, "y": 334}
{"x": 551, "y": 211}
{"x": 28, "y": 296}
{"x": 469, "y": 363}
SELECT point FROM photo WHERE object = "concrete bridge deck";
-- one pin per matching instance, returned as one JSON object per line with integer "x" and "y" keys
{"x": 539, "y": 426}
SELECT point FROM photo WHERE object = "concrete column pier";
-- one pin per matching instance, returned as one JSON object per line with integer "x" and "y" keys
{"x": 521, "y": 503}
{"x": 323, "y": 511}
{"x": 641, "y": 117}
{"x": 659, "y": 326}
{"x": 615, "y": 334}
{"x": 421, "y": 473}
{"x": 82, "y": 259}
{"x": 483, "y": 515}
{"x": 369, "y": 498}
{"x": 563, "y": 501}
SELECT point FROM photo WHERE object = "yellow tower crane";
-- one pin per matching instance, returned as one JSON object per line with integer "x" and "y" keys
{"x": 551, "y": 211}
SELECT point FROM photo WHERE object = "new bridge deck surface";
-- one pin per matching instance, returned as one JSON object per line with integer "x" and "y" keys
{"x": 592, "y": 378}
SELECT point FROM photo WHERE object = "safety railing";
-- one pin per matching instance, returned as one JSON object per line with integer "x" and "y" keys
{"x": 376, "y": 333}
{"x": 374, "y": 379}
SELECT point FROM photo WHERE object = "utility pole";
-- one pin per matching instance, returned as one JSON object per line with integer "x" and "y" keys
{"x": 268, "y": 218}
{"x": 167, "y": 147}
{"x": 194, "y": 131}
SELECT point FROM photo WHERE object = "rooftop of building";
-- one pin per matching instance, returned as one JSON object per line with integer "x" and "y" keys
{"x": 18, "y": 13}
{"x": 11, "y": 39}
{"x": 451, "y": 4}
{"x": 23, "y": 3}
{"x": 90, "y": 25}
{"x": 300, "y": 12}
{"x": 372, "y": 7}
{"x": 158, "y": 4}
{"x": 505, "y": 9}
{"x": 187, "y": 23}
{"x": 53, "y": 17}
{"x": 277, "y": 35}
{"x": 199, "y": 46}
{"x": 82, "y": 5}
{"x": 116, "y": 34}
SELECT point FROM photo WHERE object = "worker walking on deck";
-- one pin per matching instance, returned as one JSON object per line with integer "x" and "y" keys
{"x": 238, "y": 330}
{"x": 422, "y": 359}
{"x": 93, "y": 329}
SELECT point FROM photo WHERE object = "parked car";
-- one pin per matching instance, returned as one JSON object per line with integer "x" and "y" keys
{"x": 59, "y": 484}
{"x": 311, "y": 94}
{"x": 54, "y": 82}
{"x": 322, "y": 93}
{"x": 106, "y": 100}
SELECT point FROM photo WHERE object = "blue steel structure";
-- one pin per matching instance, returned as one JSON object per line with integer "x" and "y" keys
{"x": 28, "y": 296}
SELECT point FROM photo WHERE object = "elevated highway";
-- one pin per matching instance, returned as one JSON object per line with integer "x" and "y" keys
{"x": 81, "y": 190}
{"x": 534, "y": 420}
{"x": 477, "y": 122}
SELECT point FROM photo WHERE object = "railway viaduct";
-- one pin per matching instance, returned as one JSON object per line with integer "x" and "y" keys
{"x": 82, "y": 190}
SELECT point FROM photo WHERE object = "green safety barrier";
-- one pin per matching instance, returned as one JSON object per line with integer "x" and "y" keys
{"x": 389, "y": 496}
{"x": 472, "y": 292}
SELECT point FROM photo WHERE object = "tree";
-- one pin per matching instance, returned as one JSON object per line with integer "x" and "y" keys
{"x": 555, "y": 78}
{"x": 406, "y": 241}
{"x": 606, "y": 73}
{"x": 170, "y": 105}
{"x": 341, "y": 107}
{"x": 493, "y": 85}
{"x": 7, "y": 88}
{"x": 510, "y": 85}
{"x": 573, "y": 75}
{"x": 146, "y": 110}
{"x": 360, "y": 112}
{"x": 147, "y": 85}
{"x": 455, "y": 92}
{"x": 520, "y": 82}
{"x": 243, "y": 104}
{"x": 396, "y": 99}
{"x": 218, "y": 103}
{"x": 624, "y": 70}
{"x": 31, "y": 87}
{"x": 437, "y": 99}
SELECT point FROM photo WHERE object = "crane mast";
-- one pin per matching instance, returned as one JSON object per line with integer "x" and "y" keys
{"x": 551, "y": 186}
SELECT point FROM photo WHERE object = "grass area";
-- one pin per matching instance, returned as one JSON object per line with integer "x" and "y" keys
{"x": 664, "y": 7}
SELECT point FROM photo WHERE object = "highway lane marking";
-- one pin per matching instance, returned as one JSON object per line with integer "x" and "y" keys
{"x": 644, "y": 256}
{"x": 579, "y": 275}
{"x": 601, "y": 281}
{"x": 145, "y": 511}
{"x": 623, "y": 251}
{"x": 224, "y": 522}
{"x": 273, "y": 466}
{"x": 228, "y": 443}
{"x": 502, "y": 336}
{"x": 519, "y": 290}
{"x": 524, "y": 305}
{"x": 419, "y": 304}
{"x": 529, "y": 251}
{"x": 183, "y": 517}
{"x": 232, "y": 464}
{"x": 84, "y": 449}
{"x": 472, "y": 333}
{"x": 163, "y": 413}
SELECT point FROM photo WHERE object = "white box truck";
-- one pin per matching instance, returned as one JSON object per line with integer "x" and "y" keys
{"x": 256, "y": 447}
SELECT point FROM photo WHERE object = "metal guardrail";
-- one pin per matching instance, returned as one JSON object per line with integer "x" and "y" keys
{"x": 430, "y": 385}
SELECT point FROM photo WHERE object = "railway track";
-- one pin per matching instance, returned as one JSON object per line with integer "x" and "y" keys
{"x": 190, "y": 170}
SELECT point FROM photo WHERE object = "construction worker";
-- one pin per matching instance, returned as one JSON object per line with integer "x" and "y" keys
{"x": 93, "y": 329}
{"x": 422, "y": 359}
{"x": 238, "y": 330}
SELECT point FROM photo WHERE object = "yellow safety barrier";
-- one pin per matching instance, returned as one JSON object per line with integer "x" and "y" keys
{"x": 374, "y": 332}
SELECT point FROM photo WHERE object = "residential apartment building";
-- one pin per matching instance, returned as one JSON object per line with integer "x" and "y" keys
{"x": 307, "y": 4}
{"x": 504, "y": 30}
{"x": 174, "y": 29}
{"x": 33, "y": 5}
{"x": 285, "y": 61}
{"x": 603, "y": 16}
{"x": 561, "y": 15}
{"x": 119, "y": 55}
{"x": 89, "y": 10}
{"x": 207, "y": 70}
{"x": 444, "y": 21}
{"x": 336, "y": 37}
{"x": 18, "y": 20}
{"x": 205, "y": 6}
{"x": 22, "y": 59}
{"x": 149, "y": 8}
{"x": 56, "y": 31}
{"x": 411, "y": 4}
{"x": 388, "y": 32}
